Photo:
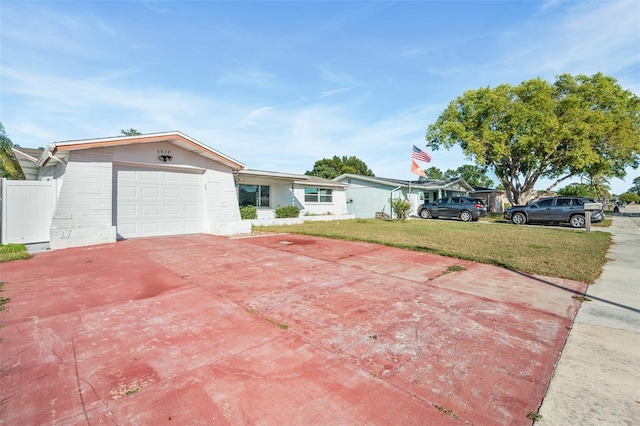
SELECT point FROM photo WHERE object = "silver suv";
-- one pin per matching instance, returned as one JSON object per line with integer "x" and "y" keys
{"x": 553, "y": 210}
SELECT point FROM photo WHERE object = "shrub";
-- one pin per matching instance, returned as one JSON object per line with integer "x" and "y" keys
{"x": 630, "y": 197}
{"x": 401, "y": 208}
{"x": 11, "y": 252}
{"x": 287, "y": 211}
{"x": 248, "y": 212}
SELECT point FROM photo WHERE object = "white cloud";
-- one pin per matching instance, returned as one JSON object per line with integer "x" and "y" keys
{"x": 584, "y": 38}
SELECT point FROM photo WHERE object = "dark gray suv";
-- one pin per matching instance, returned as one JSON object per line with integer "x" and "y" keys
{"x": 553, "y": 210}
{"x": 463, "y": 208}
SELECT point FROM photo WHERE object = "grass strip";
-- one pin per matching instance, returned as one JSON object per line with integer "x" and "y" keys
{"x": 11, "y": 252}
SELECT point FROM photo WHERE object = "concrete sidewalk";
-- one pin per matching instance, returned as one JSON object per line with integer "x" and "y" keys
{"x": 597, "y": 380}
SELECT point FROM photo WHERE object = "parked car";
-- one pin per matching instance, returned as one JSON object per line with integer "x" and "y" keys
{"x": 463, "y": 208}
{"x": 553, "y": 210}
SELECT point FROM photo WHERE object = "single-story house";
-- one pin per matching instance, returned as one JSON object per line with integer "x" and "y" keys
{"x": 96, "y": 191}
{"x": 314, "y": 196}
{"x": 129, "y": 186}
{"x": 367, "y": 196}
{"x": 494, "y": 198}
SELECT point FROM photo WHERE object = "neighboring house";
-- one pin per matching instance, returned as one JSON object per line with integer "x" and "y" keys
{"x": 494, "y": 198}
{"x": 269, "y": 190}
{"x": 133, "y": 186}
{"x": 368, "y": 195}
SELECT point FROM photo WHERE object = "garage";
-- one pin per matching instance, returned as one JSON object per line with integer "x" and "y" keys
{"x": 151, "y": 202}
{"x": 122, "y": 187}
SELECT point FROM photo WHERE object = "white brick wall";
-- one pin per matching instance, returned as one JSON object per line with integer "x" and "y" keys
{"x": 84, "y": 211}
{"x": 83, "y": 214}
{"x": 222, "y": 215}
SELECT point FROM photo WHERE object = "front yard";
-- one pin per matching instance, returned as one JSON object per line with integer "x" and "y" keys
{"x": 541, "y": 250}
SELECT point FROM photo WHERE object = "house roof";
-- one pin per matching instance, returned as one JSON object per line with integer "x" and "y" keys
{"x": 27, "y": 158}
{"x": 428, "y": 184}
{"x": 62, "y": 148}
{"x": 31, "y": 154}
{"x": 482, "y": 189}
{"x": 304, "y": 180}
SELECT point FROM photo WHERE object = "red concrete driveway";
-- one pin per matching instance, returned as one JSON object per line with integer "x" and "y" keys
{"x": 278, "y": 329}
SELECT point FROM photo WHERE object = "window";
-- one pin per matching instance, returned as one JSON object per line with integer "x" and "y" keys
{"x": 253, "y": 195}
{"x": 545, "y": 202}
{"x": 318, "y": 195}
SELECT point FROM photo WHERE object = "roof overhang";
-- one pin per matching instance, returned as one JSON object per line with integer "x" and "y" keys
{"x": 302, "y": 180}
{"x": 396, "y": 183}
{"x": 62, "y": 149}
{"x": 271, "y": 175}
{"x": 372, "y": 179}
{"x": 324, "y": 184}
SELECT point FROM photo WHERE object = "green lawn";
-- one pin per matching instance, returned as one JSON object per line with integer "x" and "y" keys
{"x": 544, "y": 250}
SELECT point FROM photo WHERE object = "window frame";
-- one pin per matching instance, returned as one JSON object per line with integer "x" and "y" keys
{"x": 321, "y": 195}
{"x": 263, "y": 192}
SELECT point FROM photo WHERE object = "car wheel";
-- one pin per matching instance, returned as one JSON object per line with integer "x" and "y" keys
{"x": 577, "y": 221}
{"x": 466, "y": 216}
{"x": 519, "y": 219}
{"x": 425, "y": 214}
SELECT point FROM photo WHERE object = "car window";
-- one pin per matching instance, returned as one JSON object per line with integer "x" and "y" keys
{"x": 561, "y": 202}
{"x": 578, "y": 202}
{"x": 455, "y": 200}
{"x": 547, "y": 202}
{"x": 441, "y": 201}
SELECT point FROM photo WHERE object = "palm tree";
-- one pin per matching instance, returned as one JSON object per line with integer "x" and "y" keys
{"x": 599, "y": 184}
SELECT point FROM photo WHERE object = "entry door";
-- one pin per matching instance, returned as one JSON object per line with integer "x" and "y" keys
{"x": 154, "y": 202}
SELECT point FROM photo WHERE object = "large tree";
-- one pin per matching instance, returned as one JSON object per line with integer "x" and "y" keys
{"x": 9, "y": 167}
{"x": 330, "y": 168}
{"x": 577, "y": 126}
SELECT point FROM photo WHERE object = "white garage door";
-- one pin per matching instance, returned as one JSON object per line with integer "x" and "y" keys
{"x": 150, "y": 202}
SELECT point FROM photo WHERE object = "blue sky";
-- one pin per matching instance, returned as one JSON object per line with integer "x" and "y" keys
{"x": 280, "y": 85}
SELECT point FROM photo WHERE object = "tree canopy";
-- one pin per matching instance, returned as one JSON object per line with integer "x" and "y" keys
{"x": 434, "y": 173}
{"x": 636, "y": 186}
{"x": 577, "y": 126}
{"x": 130, "y": 132}
{"x": 330, "y": 168}
{"x": 630, "y": 197}
{"x": 472, "y": 174}
{"x": 577, "y": 190}
{"x": 9, "y": 167}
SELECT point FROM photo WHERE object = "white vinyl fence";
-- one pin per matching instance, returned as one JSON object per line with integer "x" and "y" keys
{"x": 27, "y": 209}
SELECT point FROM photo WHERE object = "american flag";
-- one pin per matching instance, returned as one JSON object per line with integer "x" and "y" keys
{"x": 420, "y": 155}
